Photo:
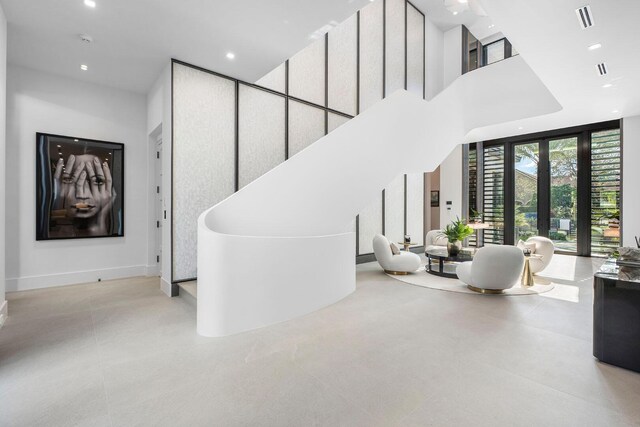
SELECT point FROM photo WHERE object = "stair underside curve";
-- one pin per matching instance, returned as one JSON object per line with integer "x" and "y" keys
{"x": 282, "y": 247}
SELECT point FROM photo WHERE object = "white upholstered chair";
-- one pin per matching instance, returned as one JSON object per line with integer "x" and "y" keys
{"x": 493, "y": 269}
{"x": 402, "y": 263}
{"x": 544, "y": 248}
{"x": 435, "y": 240}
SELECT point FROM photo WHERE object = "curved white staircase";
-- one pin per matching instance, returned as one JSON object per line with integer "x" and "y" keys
{"x": 282, "y": 247}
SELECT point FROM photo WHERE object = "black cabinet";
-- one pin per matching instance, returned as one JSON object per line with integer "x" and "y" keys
{"x": 616, "y": 316}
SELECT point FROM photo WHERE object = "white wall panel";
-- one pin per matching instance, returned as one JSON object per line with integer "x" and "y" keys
{"x": 343, "y": 66}
{"x": 371, "y": 55}
{"x": 261, "y": 130}
{"x": 335, "y": 121}
{"x": 415, "y": 51}
{"x": 275, "y": 79}
{"x": 394, "y": 210}
{"x": 203, "y": 155}
{"x": 394, "y": 48}
{"x": 306, "y": 73}
{"x": 415, "y": 207}
{"x": 306, "y": 126}
{"x": 370, "y": 224}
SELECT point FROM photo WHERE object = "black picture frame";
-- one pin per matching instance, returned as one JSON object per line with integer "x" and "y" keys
{"x": 435, "y": 198}
{"x": 64, "y": 208}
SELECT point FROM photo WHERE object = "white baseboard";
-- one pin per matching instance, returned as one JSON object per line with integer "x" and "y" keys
{"x": 165, "y": 286}
{"x": 153, "y": 270}
{"x": 73, "y": 278}
{"x": 4, "y": 312}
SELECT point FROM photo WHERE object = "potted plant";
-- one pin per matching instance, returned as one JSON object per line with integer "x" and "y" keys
{"x": 475, "y": 216}
{"x": 455, "y": 233}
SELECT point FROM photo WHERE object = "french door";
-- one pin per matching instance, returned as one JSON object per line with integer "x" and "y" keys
{"x": 563, "y": 184}
{"x": 544, "y": 193}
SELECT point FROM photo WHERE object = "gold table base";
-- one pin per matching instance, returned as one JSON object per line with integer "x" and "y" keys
{"x": 527, "y": 276}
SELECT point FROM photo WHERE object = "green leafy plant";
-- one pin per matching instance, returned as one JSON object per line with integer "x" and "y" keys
{"x": 612, "y": 215}
{"x": 457, "y": 230}
{"x": 475, "y": 215}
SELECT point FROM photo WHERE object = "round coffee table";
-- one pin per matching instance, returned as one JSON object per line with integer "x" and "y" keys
{"x": 441, "y": 264}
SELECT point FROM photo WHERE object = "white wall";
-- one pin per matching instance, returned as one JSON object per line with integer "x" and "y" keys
{"x": 451, "y": 187}
{"x": 40, "y": 102}
{"x": 452, "y": 58}
{"x": 434, "y": 57}
{"x": 630, "y": 179}
{"x": 3, "y": 111}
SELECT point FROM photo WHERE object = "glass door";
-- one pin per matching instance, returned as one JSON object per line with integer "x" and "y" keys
{"x": 563, "y": 193}
{"x": 526, "y": 163}
{"x": 545, "y": 191}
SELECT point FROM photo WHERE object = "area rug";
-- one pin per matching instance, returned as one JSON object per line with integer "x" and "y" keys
{"x": 426, "y": 280}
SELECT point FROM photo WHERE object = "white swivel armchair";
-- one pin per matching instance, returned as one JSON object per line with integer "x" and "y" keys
{"x": 544, "y": 248}
{"x": 403, "y": 263}
{"x": 493, "y": 269}
{"x": 435, "y": 240}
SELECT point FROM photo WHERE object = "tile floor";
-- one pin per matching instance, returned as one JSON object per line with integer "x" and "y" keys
{"x": 121, "y": 353}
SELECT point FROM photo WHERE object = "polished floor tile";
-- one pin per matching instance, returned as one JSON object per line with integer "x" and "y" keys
{"x": 120, "y": 353}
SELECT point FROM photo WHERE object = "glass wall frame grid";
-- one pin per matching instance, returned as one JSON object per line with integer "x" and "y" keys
{"x": 288, "y": 97}
{"x": 584, "y": 134}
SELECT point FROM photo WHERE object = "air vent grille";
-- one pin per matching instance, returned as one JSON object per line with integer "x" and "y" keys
{"x": 602, "y": 69}
{"x": 585, "y": 18}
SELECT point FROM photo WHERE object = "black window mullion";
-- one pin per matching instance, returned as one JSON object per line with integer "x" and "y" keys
{"x": 544, "y": 189}
{"x": 509, "y": 194}
{"x": 584, "y": 194}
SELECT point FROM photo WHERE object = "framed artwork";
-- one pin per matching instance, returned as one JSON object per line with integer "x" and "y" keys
{"x": 435, "y": 198}
{"x": 79, "y": 188}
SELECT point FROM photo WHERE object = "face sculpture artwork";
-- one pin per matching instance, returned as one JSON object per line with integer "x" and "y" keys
{"x": 83, "y": 192}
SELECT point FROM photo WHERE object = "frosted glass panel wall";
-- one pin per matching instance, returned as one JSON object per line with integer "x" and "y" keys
{"x": 394, "y": 210}
{"x": 370, "y": 224}
{"x": 306, "y": 126}
{"x": 275, "y": 80}
{"x": 358, "y": 63}
{"x": 343, "y": 67}
{"x": 371, "y": 55}
{"x": 394, "y": 48}
{"x": 415, "y": 51}
{"x": 335, "y": 121}
{"x": 261, "y": 133}
{"x": 203, "y": 156}
{"x": 306, "y": 73}
{"x": 415, "y": 207}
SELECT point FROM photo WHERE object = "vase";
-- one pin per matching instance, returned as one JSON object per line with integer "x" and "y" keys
{"x": 453, "y": 248}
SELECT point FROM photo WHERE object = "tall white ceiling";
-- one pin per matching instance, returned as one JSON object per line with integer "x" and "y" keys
{"x": 547, "y": 34}
{"x": 480, "y": 26}
{"x": 134, "y": 39}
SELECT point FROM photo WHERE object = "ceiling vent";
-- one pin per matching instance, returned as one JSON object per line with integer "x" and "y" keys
{"x": 602, "y": 69}
{"x": 585, "y": 18}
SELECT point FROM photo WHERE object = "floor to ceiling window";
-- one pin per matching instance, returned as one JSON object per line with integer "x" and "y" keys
{"x": 564, "y": 185}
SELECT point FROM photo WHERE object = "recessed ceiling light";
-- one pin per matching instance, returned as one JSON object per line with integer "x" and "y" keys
{"x": 462, "y": 1}
{"x": 455, "y": 13}
{"x": 520, "y": 128}
{"x": 607, "y": 85}
{"x": 90, "y": 3}
{"x": 595, "y": 46}
{"x": 615, "y": 111}
{"x": 491, "y": 26}
{"x": 84, "y": 67}
{"x": 231, "y": 55}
